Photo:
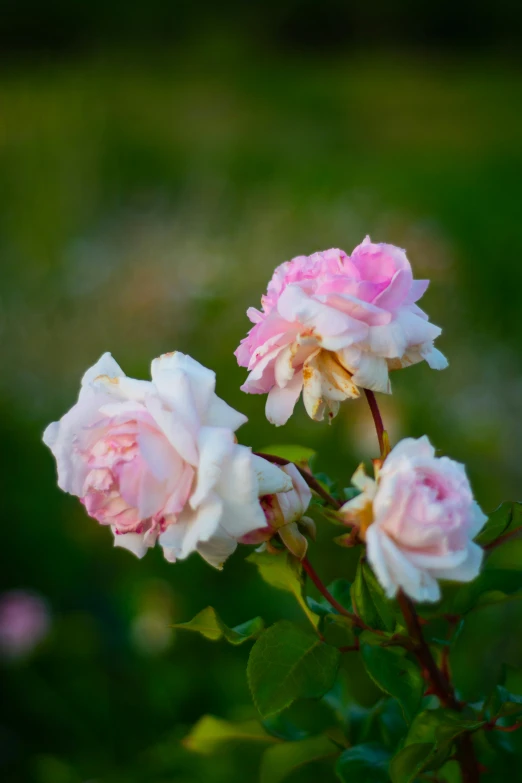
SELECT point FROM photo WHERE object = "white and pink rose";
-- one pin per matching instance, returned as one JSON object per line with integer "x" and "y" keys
{"x": 419, "y": 519}
{"x": 332, "y": 323}
{"x": 158, "y": 460}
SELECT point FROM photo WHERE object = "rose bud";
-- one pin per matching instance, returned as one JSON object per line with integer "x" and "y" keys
{"x": 284, "y": 515}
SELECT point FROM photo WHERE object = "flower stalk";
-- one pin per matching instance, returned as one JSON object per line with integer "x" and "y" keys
{"x": 440, "y": 686}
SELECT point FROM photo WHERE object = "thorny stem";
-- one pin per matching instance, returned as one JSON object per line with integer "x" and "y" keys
{"x": 500, "y": 540}
{"x": 310, "y": 480}
{"x": 377, "y": 419}
{"x": 440, "y": 685}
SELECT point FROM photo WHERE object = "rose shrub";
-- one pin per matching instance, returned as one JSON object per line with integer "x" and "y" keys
{"x": 158, "y": 461}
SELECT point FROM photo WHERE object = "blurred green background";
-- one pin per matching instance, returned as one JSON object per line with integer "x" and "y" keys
{"x": 156, "y": 164}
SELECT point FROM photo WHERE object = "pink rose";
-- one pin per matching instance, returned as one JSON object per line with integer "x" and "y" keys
{"x": 159, "y": 460}
{"x": 284, "y": 510}
{"x": 419, "y": 520}
{"x": 24, "y": 622}
{"x": 332, "y": 323}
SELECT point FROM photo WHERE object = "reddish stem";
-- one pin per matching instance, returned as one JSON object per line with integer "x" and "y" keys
{"x": 441, "y": 687}
{"x": 331, "y": 600}
{"x": 350, "y": 648}
{"x": 508, "y": 728}
{"x": 500, "y": 540}
{"x": 377, "y": 419}
{"x": 439, "y": 684}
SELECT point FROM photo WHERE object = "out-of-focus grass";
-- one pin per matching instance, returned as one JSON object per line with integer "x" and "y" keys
{"x": 142, "y": 209}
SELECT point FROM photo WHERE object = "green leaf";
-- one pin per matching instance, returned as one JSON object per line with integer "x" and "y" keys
{"x": 395, "y": 675}
{"x": 210, "y": 625}
{"x": 340, "y": 589}
{"x": 298, "y": 454}
{"x": 440, "y": 726}
{"x": 283, "y": 572}
{"x": 504, "y": 704}
{"x": 287, "y": 663}
{"x": 209, "y": 733}
{"x": 369, "y": 600}
{"x": 406, "y": 765}
{"x": 429, "y": 742}
{"x": 367, "y": 762}
{"x": 281, "y": 727}
{"x": 486, "y": 642}
{"x": 505, "y": 519}
{"x": 279, "y": 761}
{"x": 502, "y": 571}
{"x": 392, "y": 726}
{"x": 338, "y": 630}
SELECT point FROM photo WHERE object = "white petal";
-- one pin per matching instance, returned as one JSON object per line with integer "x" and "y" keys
{"x": 467, "y": 570}
{"x": 218, "y": 548}
{"x": 363, "y": 482}
{"x": 449, "y": 561}
{"x": 299, "y": 486}
{"x": 313, "y": 390}
{"x": 183, "y": 536}
{"x": 220, "y": 414}
{"x": 435, "y": 359}
{"x": 214, "y": 445}
{"x": 394, "y": 569}
{"x": 199, "y": 383}
{"x": 180, "y": 429}
{"x": 261, "y": 365}
{"x": 295, "y": 305}
{"x": 238, "y": 489}
{"x": 280, "y": 403}
{"x": 410, "y": 449}
{"x": 134, "y": 542}
{"x": 284, "y": 371}
{"x": 105, "y": 365}
{"x": 271, "y": 479}
{"x": 368, "y": 371}
{"x": 378, "y": 560}
{"x": 478, "y": 520}
{"x": 124, "y": 388}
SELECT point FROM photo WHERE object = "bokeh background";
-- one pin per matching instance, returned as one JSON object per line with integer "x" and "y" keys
{"x": 157, "y": 161}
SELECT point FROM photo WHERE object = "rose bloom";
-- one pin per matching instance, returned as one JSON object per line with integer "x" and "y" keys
{"x": 158, "y": 460}
{"x": 283, "y": 511}
{"x": 331, "y": 323}
{"x": 419, "y": 520}
{"x": 24, "y": 622}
